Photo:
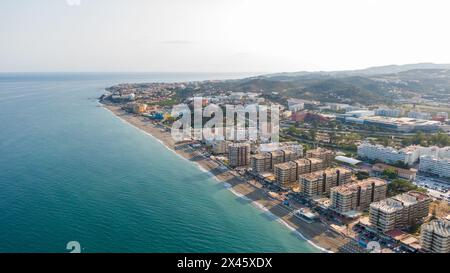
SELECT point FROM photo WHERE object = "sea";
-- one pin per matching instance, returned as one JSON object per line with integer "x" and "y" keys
{"x": 71, "y": 171}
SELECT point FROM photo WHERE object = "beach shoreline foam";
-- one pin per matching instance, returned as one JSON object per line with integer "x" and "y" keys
{"x": 314, "y": 234}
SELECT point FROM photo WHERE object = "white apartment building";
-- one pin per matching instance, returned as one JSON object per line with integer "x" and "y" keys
{"x": 409, "y": 155}
{"x": 419, "y": 115}
{"x": 435, "y": 165}
{"x": 435, "y": 160}
{"x": 394, "y": 113}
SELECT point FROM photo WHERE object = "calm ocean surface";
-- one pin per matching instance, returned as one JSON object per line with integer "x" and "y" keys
{"x": 71, "y": 171}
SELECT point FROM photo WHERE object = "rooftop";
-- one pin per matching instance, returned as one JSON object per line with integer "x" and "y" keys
{"x": 328, "y": 172}
{"x": 259, "y": 156}
{"x": 237, "y": 145}
{"x": 352, "y": 187}
{"x": 304, "y": 161}
{"x": 401, "y": 121}
{"x": 347, "y": 160}
{"x": 321, "y": 150}
{"x": 286, "y": 165}
{"x": 399, "y": 201}
{"x": 382, "y": 167}
{"x": 440, "y": 226}
{"x": 387, "y": 205}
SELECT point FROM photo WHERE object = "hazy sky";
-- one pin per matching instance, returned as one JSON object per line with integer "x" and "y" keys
{"x": 220, "y": 35}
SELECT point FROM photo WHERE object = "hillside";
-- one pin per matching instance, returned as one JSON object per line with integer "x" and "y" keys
{"x": 367, "y": 86}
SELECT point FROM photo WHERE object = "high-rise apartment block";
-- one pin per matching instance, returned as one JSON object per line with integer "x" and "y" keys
{"x": 435, "y": 236}
{"x": 239, "y": 154}
{"x": 287, "y": 173}
{"x": 357, "y": 196}
{"x": 265, "y": 162}
{"x": 327, "y": 156}
{"x": 320, "y": 183}
{"x": 399, "y": 211}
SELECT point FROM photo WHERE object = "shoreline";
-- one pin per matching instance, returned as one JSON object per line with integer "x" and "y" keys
{"x": 315, "y": 234}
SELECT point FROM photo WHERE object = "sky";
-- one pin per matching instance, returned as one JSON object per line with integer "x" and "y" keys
{"x": 220, "y": 35}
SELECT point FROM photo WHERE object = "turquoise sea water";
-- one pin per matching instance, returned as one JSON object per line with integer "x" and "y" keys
{"x": 71, "y": 171}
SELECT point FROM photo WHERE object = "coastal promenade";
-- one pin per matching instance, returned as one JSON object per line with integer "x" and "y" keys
{"x": 317, "y": 233}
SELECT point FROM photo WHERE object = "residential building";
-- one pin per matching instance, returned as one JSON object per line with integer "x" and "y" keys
{"x": 270, "y": 147}
{"x": 419, "y": 115}
{"x": 265, "y": 162}
{"x": 327, "y": 156}
{"x": 357, "y": 196}
{"x": 220, "y": 147}
{"x": 408, "y": 155}
{"x": 289, "y": 154}
{"x": 320, "y": 183}
{"x": 400, "y": 211}
{"x": 435, "y": 165}
{"x": 239, "y": 154}
{"x": 309, "y": 165}
{"x": 394, "y": 113}
{"x": 287, "y": 173}
{"x": 435, "y": 236}
{"x": 261, "y": 162}
{"x": 359, "y": 113}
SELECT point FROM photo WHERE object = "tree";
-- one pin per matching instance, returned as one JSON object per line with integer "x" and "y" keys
{"x": 362, "y": 175}
{"x": 333, "y": 137}
{"x": 398, "y": 186}
{"x": 385, "y": 141}
{"x": 419, "y": 139}
{"x": 440, "y": 139}
{"x": 439, "y": 209}
{"x": 391, "y": 173}
{"x": 312, "y": 134}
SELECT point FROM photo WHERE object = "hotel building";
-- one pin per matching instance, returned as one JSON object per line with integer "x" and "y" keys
{"x": 137, "y": 108}
{"x": 320, "y": 183}
{"x": 435, "y": 236}
{"x": 399, "y": 211}
{"x": 357, "y": 196}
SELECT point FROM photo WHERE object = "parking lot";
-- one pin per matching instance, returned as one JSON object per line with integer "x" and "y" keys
{"x": 436, "y": 188}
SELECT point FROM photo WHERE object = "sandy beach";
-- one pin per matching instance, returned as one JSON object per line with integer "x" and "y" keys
{"x": 317, "y": 234}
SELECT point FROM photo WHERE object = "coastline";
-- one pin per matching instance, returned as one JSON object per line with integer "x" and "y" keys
{"x": 316, "y": 234}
